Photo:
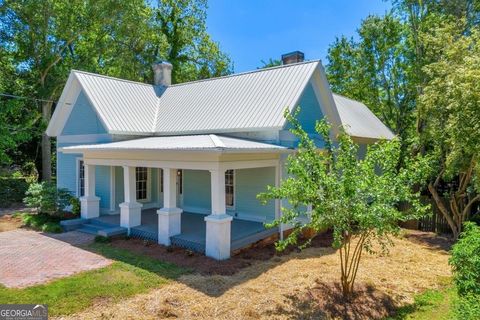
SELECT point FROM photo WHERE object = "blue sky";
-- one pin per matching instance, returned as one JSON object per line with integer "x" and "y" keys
{"x": 254, "y": 30}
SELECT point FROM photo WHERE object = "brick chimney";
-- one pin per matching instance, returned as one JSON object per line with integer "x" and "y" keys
{"x": 162, "y": 73}
{"x": 293, "y": 57}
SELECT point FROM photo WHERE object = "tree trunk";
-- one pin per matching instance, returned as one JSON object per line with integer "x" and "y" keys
{"x": 46, "y": 144}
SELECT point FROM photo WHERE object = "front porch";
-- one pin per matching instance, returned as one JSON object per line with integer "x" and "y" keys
{"x": 193, "y": 230}
{"x": 214, "y": 165}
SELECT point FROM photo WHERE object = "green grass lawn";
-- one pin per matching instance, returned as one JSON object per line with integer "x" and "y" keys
{"x": 130, "y": 274}
{"x": 432, "y": 304}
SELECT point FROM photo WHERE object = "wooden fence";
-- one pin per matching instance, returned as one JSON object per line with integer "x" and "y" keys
{"x": 435, "y": 222}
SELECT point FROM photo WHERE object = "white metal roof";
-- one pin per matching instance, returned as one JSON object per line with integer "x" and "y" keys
{"x": 359, "y": 121}
{"x": 250, "y": 101}
{"x": 241, "y": 102}
{"x": 209, "y": 142}
{"x": 123, "y": 106}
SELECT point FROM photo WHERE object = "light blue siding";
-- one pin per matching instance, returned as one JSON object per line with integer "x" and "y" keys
{"x": 310, "y": 112}
{"x": 67, "y": 171}
{"x": 83, "y": 119}
{"x": 196, "y": 191}
{"x": 249, "y": 183}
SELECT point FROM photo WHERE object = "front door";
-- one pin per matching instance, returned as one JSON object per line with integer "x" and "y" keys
{"x": 179, "y": 188}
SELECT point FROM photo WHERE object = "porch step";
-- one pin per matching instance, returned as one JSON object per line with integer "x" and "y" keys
{"x": 100, "y": 223}
{"x": 88, "y": 228}
{"x": 102, "y": 229}
{"x": 112, "y": 232}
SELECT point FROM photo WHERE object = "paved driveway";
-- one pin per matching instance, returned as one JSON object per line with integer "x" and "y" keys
{"x": 28, "y": 258}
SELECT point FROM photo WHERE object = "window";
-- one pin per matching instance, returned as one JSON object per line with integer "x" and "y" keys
{"x": 81, "y": 178}
{"x": 141, "y": 175}
{"x": 229, "y": 192}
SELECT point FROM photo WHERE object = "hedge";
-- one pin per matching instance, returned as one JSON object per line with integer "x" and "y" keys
{"x": 12, "y": 190}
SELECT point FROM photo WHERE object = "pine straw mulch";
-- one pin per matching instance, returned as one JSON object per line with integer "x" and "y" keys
{"x": 9, "y": 222}
{"x": 298, "y": 285}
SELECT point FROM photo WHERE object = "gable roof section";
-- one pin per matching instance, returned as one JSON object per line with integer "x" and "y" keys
{"x": 247, "y": 101}
{"x": 241, "y": 102}
{"x": 250, "y": 101}
{"x": 359, "y": 121}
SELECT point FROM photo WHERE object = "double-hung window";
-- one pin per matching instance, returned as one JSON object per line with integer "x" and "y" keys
{"x": 141, "y": 175}
{"x": 229, "y": 188}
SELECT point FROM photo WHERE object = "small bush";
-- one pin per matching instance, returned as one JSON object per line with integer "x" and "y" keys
{"x": 468, "y": 307}
{"x": 465, "y": 260}
{"x": 75, "y": 203}
{"x": 52, "y": 227}
{"x": 102, "y": 239}
{"x": 42, "y": 222}
{"x": 46, "y": 198}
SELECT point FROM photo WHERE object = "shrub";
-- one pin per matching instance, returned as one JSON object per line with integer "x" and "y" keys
{"x": 75, "y": 203}
{"x": 42, "y": 222}
{"x": 12, "y": 190}
{"x": 46, "y": 198}
{"x": 468, "y": 307}
{"x": 52, "y": 227}
{"x": 465, "y": 261}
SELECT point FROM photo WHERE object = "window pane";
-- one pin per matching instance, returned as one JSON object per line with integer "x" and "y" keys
{"x": 141, "y": 175}
{"x": 229, "y": 188}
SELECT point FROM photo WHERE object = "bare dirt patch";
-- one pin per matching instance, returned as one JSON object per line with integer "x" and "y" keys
{"x": 206, "y": 266}
{"x": 296, "y": 285}
{"x": 9, "y": 222}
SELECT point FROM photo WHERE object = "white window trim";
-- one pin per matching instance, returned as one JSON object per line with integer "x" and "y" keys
{"x": 234, "y": 190}
{"x": 77, "y": 175}
{"x": 149, "y": 187}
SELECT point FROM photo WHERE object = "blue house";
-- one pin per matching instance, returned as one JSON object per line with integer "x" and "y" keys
{"x": 182, "y": 164}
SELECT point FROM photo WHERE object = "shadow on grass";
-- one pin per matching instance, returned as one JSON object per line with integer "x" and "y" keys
{"x": 164, "y": 269}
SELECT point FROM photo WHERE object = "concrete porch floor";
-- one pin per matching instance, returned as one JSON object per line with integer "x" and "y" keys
{"x": 193, "y": 230}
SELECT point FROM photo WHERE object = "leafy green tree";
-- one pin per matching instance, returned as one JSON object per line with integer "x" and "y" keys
{"x": 450, "y": 104}
{"x": 270, "y": 63}
{"x": 357, "y": 198}
{"x": 44, "y": 40}
{"x": 190, "y": 49}
{"x": 376, "y": 70}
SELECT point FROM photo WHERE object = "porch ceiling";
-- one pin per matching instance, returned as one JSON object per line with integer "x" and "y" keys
{"x": 204, "y": 143}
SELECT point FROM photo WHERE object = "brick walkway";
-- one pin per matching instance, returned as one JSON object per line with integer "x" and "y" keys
{"x": 28, "y": 258}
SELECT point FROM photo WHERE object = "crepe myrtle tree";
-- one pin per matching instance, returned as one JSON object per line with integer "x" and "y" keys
{"x": 357, "y": 198}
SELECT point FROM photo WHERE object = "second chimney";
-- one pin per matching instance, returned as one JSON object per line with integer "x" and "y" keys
{"x": 162, "y": 73}
{"x": 293, "y": 57}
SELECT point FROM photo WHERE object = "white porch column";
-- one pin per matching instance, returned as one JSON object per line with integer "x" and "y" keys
{"x": 89, "y": 203}
{"x": 169, "y": 217}
{"x": 218, "y": 224}
{"x": 130, "y": 209}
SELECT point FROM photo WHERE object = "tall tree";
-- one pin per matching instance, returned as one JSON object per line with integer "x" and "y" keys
{"x": 451, "y": 99}
{"x": 190, "y": 49}
{"x": 46, "y": 39}
{"x": 375, "y": 70}
{"x": 42, "y": 37}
